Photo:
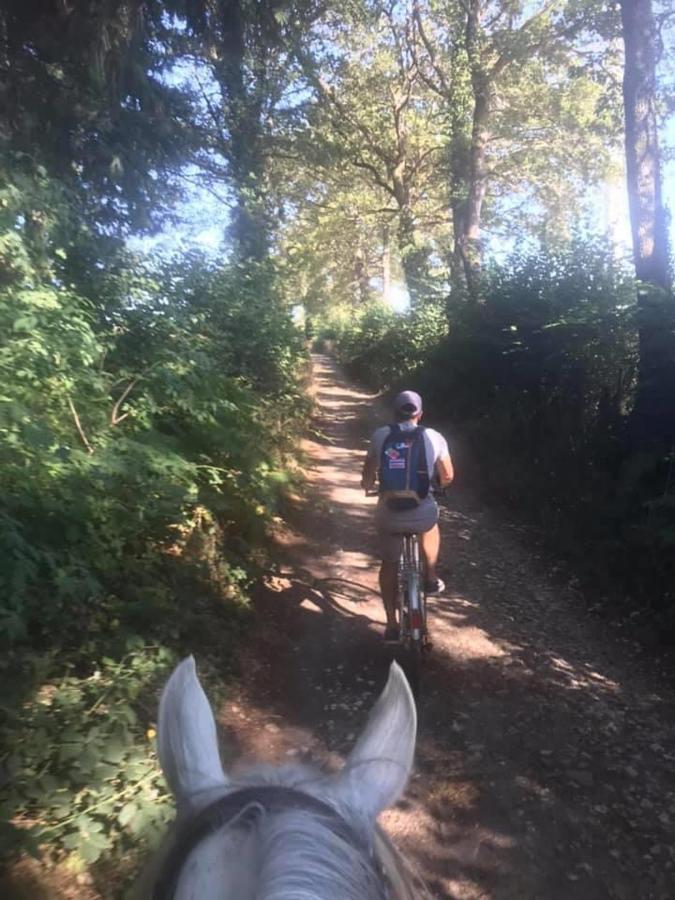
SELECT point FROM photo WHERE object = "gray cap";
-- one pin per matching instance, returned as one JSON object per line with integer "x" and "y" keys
{"x": 408, "y": 404}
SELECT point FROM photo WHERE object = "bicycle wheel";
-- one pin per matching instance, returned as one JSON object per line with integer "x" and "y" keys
{"x": 415, "y": 636}
{"x": 411, "y": 614}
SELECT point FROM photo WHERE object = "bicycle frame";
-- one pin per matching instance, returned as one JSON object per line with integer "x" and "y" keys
{"x": 412, "y": 612}
{"x": 412, "y": 608}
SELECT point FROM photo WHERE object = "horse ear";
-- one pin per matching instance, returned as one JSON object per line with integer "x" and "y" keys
{"x": 377, "y": 769}
{"x": 187, "y": 742}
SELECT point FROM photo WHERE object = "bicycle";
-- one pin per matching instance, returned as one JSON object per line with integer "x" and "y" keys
{"x": 414, "y": 638}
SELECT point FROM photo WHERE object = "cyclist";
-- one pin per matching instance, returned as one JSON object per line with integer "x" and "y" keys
{"x": 422, "y": 516}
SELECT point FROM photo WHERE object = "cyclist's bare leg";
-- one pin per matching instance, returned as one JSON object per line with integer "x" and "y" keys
{"x": 430, "y": 542}
{"x": 389, "y": 590}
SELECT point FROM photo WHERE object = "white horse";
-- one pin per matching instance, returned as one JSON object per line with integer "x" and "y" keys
{"x": 290, "y": 833}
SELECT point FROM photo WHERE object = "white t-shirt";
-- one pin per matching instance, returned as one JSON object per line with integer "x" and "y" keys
{"x": 435, "y": 444}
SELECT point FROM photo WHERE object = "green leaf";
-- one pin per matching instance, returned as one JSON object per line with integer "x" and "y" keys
{"x": 72, "y": 840}
{"x": 140, "y": 820}
{"x": 24, "y": 323}
{"x": 85, "y": 823}
{"x": 89, "y": 850}
{"x": 115, "y": 751}
{"x": 127, "y": 813}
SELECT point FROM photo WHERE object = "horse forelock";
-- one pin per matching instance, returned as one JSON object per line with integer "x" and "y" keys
{"x": 279, "y": 855}
{"x": 302, "y": 855}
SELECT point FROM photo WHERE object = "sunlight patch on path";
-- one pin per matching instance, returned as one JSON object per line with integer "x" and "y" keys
{"x": 461, "y": 642}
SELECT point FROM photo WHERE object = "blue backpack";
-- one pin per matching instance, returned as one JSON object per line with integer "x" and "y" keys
{"x": 404, "y": 473}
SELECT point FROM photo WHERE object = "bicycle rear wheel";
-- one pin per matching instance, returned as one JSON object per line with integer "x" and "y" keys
{"x": 411, "y": 664}
{"x": 412, "y": 619}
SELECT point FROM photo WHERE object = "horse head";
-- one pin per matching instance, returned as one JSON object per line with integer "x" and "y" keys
{"x": 291, "y": 832}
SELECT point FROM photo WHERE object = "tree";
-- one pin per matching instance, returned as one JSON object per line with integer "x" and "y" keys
{"x": 335, "y": 247}
{"x": 374, "y": 115}
{"x": 244, "y": 45}
{"x": 237, "y": 38}
{"x": 654, "y": 413}
{"x": 82, "y": 100}
{"x": 507, "y": 78}
{"x": 643, "y": 158}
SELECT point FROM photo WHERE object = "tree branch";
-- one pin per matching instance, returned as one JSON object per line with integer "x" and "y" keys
{"x": 377, "y": 178}
{"x": 212, "y": 112}
{"x": 78, "y": 425}
{"x": 201, "y": 183}
{"x": 115, "y": 419}
{"x": 431, "y": 53}
{"x": 419, "y": 162}
{"x": 504, "y": 58}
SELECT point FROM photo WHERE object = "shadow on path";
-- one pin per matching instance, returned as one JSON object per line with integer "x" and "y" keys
{"x": 545, "y": 764}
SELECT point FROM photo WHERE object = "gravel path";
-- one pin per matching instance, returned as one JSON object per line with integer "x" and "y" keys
{"x": 546, "y": 752}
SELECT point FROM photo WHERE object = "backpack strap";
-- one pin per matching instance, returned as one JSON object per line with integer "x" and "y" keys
{"x": 422, "y": 462}
{"x": 393, "y": 428}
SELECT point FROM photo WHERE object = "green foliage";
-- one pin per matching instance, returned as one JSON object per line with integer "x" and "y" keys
{"x": 380, "y": 346}
{"x": 148, "y": 414}
{"x": 112, "y": 435}
{"x": 384, "y": 155}
{"x": 82, "y": 774}
{"x": 539, "y": 383}
{"x": 83, "y": 101}
{"x": 544, "y": 372}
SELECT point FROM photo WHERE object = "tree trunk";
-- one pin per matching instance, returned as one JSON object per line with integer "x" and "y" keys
{"x": 361, "y": 277}
{"x": 643, "y": 164}
{"x": 249, "y": 227}
{"x": 654, "y": 413}
{"x": 459, "y": 176}
{"x": 386, "y": 263}
{"x": 471, "y": 178}
{"x": 468, "y": 246}
{"x": 414, "y": 259}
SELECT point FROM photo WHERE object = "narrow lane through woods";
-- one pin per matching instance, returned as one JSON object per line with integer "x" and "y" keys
{"x": 546, "y": 752}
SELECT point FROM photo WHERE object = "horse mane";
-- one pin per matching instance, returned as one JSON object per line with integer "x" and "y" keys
{"x": 404, "y": 883}
{"x": 402, "y": 880}
{"x": 301, "y": 855}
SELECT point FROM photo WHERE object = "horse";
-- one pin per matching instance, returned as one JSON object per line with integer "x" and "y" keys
{"x": 287, "y": 833}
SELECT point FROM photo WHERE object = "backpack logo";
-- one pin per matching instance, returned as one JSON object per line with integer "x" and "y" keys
{"x": 394, "y": 457}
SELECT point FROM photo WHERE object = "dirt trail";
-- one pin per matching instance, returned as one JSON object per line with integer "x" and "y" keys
{"x": 546, "y": 753}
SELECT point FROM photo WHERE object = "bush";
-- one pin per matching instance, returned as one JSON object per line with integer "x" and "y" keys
{"x": 108, "y": 446}
{"x": 145, "y": 442}
{"x": 542, "y": 376}
{"x": 380, "y": 346}
{"x": 84, "y": 775}
{"x": 539, "y": 383}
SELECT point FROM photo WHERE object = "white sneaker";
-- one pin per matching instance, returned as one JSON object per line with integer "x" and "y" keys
{"x": 435, "y": 586}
